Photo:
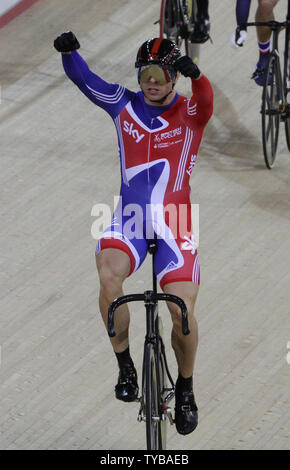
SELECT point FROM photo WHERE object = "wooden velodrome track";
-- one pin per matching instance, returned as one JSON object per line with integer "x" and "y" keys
{"x": 59, "y": 159}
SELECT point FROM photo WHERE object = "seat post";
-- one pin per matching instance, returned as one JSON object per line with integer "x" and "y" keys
{"x": 152, "y": 250}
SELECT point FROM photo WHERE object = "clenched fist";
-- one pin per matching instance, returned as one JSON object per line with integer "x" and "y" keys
{"x": 66, "y": 42}
{"x": 186, "y": 67}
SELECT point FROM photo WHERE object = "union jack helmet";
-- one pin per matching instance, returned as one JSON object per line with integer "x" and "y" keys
{"x": 157, "y": 51}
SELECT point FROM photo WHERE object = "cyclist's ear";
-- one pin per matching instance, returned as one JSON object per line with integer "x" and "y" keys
{"x": 176, "y": 78}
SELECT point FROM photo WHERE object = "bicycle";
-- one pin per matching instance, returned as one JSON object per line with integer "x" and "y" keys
{"x": 176, "y": 24}
{"x": 156, "y": 394}
{"x": 275, "y": 96}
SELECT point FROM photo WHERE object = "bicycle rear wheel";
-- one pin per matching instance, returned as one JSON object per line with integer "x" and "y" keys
{"x": 271, "y": 99}
{"x": 286, "y": 80}
{"x": 151, "y": 395}
{"x": 171, "y": 21}
{"x": 193, "y": 49}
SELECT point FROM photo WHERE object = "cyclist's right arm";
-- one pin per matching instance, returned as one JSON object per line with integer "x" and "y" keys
{"x": 242, "y": 14}
{"x": 110, "y": 96}
{"x": 242, "y": 11}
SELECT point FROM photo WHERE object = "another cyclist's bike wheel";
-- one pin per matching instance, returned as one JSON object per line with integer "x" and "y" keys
{"x": 286, "y": 80}
{"x": 271, "y": 98}
{"x": 151, "y": 394}
{"x": 171, "y": 22}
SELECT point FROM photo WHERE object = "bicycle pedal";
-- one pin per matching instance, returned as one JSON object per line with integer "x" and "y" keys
{"x": 141, "y": 418}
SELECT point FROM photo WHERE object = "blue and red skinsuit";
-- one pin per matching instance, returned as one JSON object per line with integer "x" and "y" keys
{"x": 158, "y": 146}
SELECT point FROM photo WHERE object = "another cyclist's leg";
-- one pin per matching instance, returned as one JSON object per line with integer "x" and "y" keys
{"x": 201, "y": 24}
{"x": 265, "y": 12}
{"x": 114, "y": 266}
{"x": 186, "y": 413}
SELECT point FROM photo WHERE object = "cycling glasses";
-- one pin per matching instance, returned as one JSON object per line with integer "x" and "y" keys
{"x": 160, "y": 73}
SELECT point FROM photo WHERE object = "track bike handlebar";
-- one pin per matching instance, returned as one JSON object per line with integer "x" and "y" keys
{"x": 273, "y": 25}
{"x": 148, "y": 297}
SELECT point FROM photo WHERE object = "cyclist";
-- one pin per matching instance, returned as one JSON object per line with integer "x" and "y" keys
{"x": 159, "y": 133}
{"x": 201, "y": 29}
{"x": 264, "y": 12}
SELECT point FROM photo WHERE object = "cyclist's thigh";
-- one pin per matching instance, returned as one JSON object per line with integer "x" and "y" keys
{"x": 120, "y": 236}
{"x": 177, "y": 261}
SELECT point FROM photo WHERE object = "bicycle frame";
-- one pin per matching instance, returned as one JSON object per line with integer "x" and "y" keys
{"x": 154, "y": 344}
{"x": 275, "y": 26}
{"x": 275, "y": 107}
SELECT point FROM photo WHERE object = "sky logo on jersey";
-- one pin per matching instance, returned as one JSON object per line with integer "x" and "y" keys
{"x": 191, "y": 164}
{"x": 129, "y": 128}
{"x": 189, "y": 244}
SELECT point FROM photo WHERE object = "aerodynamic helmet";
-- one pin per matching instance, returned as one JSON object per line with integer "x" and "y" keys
{"x": 162, "y": 52}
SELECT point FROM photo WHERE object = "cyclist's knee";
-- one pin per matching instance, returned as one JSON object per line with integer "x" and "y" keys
{"x": 176, "y": 316}
{"x": 267, "y": 5}
{"x": 175, "y": 311}
{"x": 187, "y": 291}
{"x": 113, "y": 268}
{"x": 109, "y": 280}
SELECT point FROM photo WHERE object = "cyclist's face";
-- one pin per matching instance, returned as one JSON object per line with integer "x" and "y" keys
{"x": 154, "y": 91}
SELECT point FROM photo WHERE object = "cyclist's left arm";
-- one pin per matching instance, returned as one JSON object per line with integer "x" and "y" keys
{"x": 201, "y": 103}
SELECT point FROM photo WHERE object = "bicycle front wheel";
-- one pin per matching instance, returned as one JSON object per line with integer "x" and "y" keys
{"x": 163, "y": 387}
{"x": 151, "y": 393}
{"x": 271, "y": 99}
{"x": 287, "y": 84}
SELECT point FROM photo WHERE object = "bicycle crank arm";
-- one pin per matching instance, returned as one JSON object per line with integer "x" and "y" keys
{"x": 273, "y": 112}
{"x": 168, "y": 414}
